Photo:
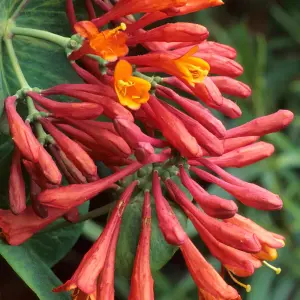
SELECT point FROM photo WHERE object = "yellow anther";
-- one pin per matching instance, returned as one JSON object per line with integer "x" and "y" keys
{"x": 277, "y": 270}
{"x": 123, "y": 26}
{"x": 247, "y": 287}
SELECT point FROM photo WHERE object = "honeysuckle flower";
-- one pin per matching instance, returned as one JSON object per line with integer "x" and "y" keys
{"x": 168, "y": 223}
{"x": 109, "y": 44}
{"x": 21, "y": 134}
{"x": 86, "y": 275}
{"x": 141, "y": 280}
{"x": 263, "y": 125}
{"x": 73, "y": 110}
{"x": 132, "y": 91}
{"x": 17, "y": 194}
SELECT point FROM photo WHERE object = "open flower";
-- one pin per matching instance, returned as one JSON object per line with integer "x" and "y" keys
{"x": 109, "y": 44}
{"x": 132, "y": 91}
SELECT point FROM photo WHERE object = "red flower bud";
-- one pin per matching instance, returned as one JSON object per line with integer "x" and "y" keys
{"x": 73, "y": 195}
{"x": 143, "y": 151}
{"x": 48, "y": 167}
{"x": 213, "y": 205}
{"x": 17, "y": 194}
{"x": 230, "y": 86}
{"x": 263, "y": 125}
{"x": 39, "y": 209}
{"x": 141, "y": 280}
{"x": 73, "y": 110}
{"x": 249, "y": 194}
{"x": 73, "y": 151}
{"x": 244, "y": 156}
{"x": 172, "y": 32}
{"x": 21, "y": 134}
{"x": 174, "y": 130}
{"x": 217, "y": 48}
{"x": 235, "y": 143}
{"x": 204, "y": 275}
{"x": 168, "y": 222}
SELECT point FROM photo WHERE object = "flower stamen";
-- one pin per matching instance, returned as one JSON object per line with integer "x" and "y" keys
{"x": 247, "y": 287}
{"x": 277, "y": 270}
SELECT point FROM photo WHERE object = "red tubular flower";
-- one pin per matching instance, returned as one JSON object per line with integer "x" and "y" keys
{"x": 90, "y": 9}
{"x": 128, "y": 7}
{"x": 141, "y": 280}
{"x": 172, "y": 32}
{"x": 168, "y": 222}
{"x": 174, "y": 130}
{"x": 85, "y": 75}
{"x": 231, "y": 86}
{"x": 213, "y": 205}
{"x": 133, "y": 134}
{"x": 17, "y": 194}
{"x": 249, "y": 194}
{"x": 98, "y": 89}
{"x": 217, "y": 48}
{"x": 72, "y": 110}
{"x": 74, "y": 152}
{"x": 195, "y": 110}
{"x": 112, "y": 109}
{"x": 75, "y": 194}
{"x": 18, "y": 229}
{"x": 204, "y": 275}
{"x": 232, "y": 236}
{"x": 105, "y": 285}
{"x": 21, "y": 134}
{"x": 48, "y": 167}
{"x": 71, "y": 14}
{"x": 244, "y": 156}
{"x": 85, "y": 277}
{"x": 229, "y": 109}
{"x": 263, "y": 125}
{"x": 204, "y": 137}
{"x": 235, "y": 143}
{"x": 106, "y": 139}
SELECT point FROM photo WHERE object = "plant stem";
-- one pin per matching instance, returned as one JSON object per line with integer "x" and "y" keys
{"x": 15, "y": 63}
{"x": 41, "y": 34}
{"x": 19, "y": 9}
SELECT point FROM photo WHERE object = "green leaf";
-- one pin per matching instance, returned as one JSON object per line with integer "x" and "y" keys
{"x": 161, "y": 251}
{"x": 43, "y": 63}
{"x": 33, "y": 270}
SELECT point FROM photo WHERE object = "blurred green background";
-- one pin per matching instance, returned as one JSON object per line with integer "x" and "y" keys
{"x": 266, "y": 35}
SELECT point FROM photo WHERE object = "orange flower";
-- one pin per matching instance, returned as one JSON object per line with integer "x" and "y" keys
{"x": 191, "y": 70}
{"x": 109, "y": 44}
{"x": 132, "y": 91}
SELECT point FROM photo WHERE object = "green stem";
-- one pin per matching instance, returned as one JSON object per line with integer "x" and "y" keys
{"x": 19, "y": 9}
{"x": 15, "y": 63}
{"x": 41, "y": 34}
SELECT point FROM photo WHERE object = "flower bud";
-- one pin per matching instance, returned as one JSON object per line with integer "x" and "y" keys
{"x": 167, "y": 220}
{"x": 21, "y": 134}
{"x": 17, "y": 194}
{"x": 263, "y": 125}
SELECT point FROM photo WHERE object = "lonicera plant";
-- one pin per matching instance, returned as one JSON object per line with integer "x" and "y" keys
{"x": 160, "y": 145}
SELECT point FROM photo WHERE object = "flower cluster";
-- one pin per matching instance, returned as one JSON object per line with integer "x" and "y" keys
{"x": 154, "y": 137}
